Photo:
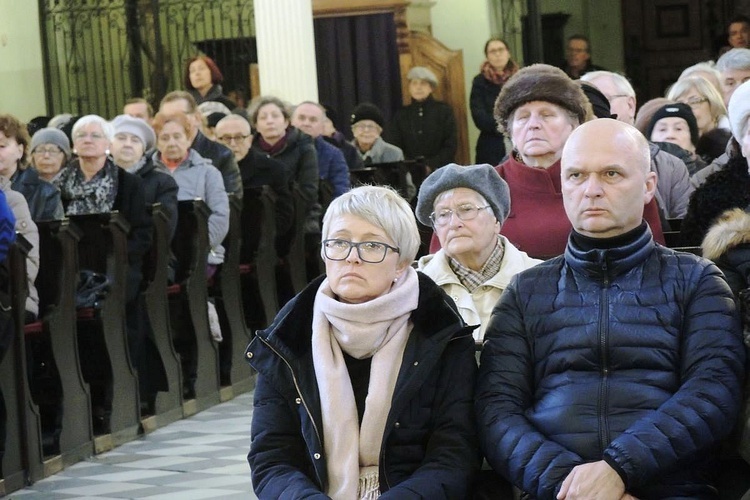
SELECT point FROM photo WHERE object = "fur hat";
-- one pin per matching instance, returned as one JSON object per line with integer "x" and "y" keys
{"x": 51, "y": 135}
{"x": 137, "y": 127}
{"x": 540, "y": 82}
{"x": 422, "y": 73}
{"x": 739, "y": 109}
{"x": 367, "y": 111}
{"x": 483, "y": 179}
{"x": 676, "y": 110}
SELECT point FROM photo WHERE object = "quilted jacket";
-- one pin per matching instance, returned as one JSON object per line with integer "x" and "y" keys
{"x": 429, "y": 446}
{"x": 632, "y": 355}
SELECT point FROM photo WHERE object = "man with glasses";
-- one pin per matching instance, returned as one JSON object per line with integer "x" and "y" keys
{"x": 466, "y": 206}
{"x": 578, "y": 57}
{"x": 257, "y": 169}
{"x": 674, "y": 188}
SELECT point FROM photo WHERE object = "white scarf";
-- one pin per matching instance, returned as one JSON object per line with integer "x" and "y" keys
{"x": 378, "y": 328}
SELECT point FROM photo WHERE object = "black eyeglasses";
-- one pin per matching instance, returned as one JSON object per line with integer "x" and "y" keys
{"x": 373, "y": 252}
{"x": 463, "y": 212}
{"x": 227, "y": 139}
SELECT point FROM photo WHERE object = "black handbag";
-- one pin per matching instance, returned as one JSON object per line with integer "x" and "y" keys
{"x": 92, "y": 289}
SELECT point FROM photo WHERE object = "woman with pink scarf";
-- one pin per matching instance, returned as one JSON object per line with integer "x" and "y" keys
{"x": 494, "y": 72}
{"x": 366, "y": 378}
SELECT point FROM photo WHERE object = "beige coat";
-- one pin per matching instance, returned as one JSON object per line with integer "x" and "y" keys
{"x": 475, "y": 308}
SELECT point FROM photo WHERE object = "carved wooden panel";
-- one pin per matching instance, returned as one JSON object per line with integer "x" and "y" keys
{"x": 448, "y": 66}
{"x": 663, "y": 37}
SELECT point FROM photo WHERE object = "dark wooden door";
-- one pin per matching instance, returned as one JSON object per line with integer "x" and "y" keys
{"x": 663, "y": 37}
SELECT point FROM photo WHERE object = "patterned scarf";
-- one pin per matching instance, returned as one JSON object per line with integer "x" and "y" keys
{"x": 379, "y": 329}
{"x": 498, "y": 78}
{"x": 82, "y": 197}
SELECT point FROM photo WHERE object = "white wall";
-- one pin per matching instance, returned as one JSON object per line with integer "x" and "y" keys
{"x": 21, "y": 75}
{"x": 466, "y": 25}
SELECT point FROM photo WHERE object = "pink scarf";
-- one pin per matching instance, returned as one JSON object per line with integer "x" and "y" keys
{"x": 496, "y": 77}
{"x": 379, "y": 329}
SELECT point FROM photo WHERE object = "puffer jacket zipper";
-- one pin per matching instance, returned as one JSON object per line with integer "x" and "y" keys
{"x": 602, "y": 406}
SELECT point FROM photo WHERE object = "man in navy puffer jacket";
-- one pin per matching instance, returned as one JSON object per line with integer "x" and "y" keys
{"x": 614, "y": 370}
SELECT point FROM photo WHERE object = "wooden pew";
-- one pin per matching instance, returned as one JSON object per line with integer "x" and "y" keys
{"x": 188, "y": 309}
{"x": 22, "y": 459}
{"x": 56, "y": 283}
{"x": 291, "y": 277}
{"x": 103, "y": 248}
{"x": 391, "y": 174}
{"x": 168, "y": 404}
{"x": 258, "y": 257}
{"x": 227, "y": 293}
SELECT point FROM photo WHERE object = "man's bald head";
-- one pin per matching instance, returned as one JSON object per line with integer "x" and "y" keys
{"x": 606, "y": 178}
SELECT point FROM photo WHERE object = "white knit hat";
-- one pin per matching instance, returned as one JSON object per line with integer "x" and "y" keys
{"x": 739, "y": 110}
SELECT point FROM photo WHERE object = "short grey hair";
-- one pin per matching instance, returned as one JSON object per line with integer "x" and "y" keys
{"x": 621, "y": 83}
{"x": 735, "y": 59}
{"x": 107, "y": 128}
{"x": 382, "y": 207}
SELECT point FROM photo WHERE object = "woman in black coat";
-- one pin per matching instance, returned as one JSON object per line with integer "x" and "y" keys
{"x": 366, "y": 378}
{"x": 495, "y": 71}
{"x": 425, "y": 128}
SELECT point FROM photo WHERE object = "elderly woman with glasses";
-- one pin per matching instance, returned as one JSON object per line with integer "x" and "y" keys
{"x": 710, "y": 112}
{"x": 92, "y": 183}
{"x": 50, "y": 152}
{"x": 42, "y": 197}
{"x": 467, "y": 207}
{"x": 365, "y": 379}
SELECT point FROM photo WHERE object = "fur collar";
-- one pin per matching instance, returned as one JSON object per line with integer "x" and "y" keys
{"x": 730, "y": 229}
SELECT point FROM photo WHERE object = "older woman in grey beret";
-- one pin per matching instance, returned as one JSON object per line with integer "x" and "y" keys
{"x": 426, "y": 127}
{"x": 467, "y": 207}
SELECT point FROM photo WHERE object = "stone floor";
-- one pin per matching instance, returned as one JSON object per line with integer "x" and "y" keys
{"x": 203, "y": 456}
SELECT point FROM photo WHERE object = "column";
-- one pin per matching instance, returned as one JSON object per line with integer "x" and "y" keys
{"x": 286, "y": 49}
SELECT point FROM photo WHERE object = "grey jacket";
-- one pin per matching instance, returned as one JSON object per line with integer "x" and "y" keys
{"x": 673, "y": 186}
{"x": 197, "y": 178}
{"x": 381, "y": 152}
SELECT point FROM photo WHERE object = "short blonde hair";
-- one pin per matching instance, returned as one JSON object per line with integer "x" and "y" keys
{"x": 705, "y": 89}
{"x": 382, "y": 207}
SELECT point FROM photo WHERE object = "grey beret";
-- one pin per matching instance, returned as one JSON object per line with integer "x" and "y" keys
{"x": 137, "y": 127}
{"x": 51, "y": 135}
{"x": 422, "y": 73}
{"x": 483, "y": 179}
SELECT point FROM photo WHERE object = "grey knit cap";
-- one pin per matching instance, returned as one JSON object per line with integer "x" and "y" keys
{"x": 51, "y": 135}
{"x": 483, "y": 179}
{"x": 137, "y": 127}
{"x": 422, "y": 73}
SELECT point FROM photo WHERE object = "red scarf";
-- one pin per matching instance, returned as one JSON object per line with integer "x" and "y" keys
{"x": 272, "y": 149}
{"x": 498, "y": 78}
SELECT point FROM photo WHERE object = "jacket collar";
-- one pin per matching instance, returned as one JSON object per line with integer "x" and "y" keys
{"x": 607, "y": 264}
{"x": 296, "y": 317}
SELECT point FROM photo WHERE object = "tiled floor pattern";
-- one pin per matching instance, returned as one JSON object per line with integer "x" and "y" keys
{"x": 203, "y": 456}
